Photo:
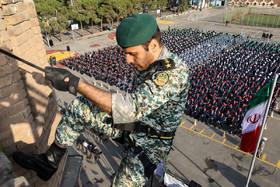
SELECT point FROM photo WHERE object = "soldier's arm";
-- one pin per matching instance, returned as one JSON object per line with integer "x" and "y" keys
{"x": 148, "y": 97}
{"x": 97, "y": 96}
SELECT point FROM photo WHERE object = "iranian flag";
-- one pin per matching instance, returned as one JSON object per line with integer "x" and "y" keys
{"x": 252, "y": 121}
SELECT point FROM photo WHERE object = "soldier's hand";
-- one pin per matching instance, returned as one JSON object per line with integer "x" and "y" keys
{"x": 62, "y": 79}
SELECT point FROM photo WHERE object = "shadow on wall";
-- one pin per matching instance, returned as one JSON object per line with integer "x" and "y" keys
{"x": 18, "y": 128}
{"x": 26, "y": 124}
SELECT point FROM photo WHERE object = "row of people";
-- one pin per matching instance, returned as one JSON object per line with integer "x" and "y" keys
{"x": 108, "y": 65}
{"x": 179, "y": 40}
{"x": 226, "y": 70}
{"x": 222, "y": 87}
{"x": 209, "y": 48}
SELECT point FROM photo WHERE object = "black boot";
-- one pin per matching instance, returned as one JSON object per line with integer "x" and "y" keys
{"x": 44, "y": 164}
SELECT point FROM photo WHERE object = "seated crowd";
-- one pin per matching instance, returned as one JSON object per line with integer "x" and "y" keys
{"x": 108, "y": 65}
{"x": 209, "y": 48}
{"x": 222, "y": 87}
{"x": 226, "y": 70}
{"x": 180, "y": 40}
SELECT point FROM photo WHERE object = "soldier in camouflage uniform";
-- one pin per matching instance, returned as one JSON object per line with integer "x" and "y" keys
{"x": 156, "y": 104}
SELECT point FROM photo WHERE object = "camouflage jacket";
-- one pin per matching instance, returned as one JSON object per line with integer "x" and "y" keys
{"x": 157, "y": 100}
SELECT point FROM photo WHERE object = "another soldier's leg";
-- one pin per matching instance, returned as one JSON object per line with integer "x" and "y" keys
{"x": 260, "y": 149}
{"x": 131, "y": 171}
{"x": 83, "y": 113}
{"x": 258, "y": 153}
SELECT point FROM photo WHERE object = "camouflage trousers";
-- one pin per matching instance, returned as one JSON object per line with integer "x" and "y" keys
{"x": 131, "y": 171}
{"x": 81, "y": 113}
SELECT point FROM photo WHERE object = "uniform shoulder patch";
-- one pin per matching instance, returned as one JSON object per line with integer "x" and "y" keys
{"x": 167, "y": 64}
{"x": 161, "y": 78}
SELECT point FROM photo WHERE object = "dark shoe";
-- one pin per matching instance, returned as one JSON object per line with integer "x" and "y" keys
{"x": 39, "y": 164}
{"x": 54, "y": 155}
{"x": 44, "y": 164}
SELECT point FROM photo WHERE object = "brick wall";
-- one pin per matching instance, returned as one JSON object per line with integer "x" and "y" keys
{"x": 28, "y": 108}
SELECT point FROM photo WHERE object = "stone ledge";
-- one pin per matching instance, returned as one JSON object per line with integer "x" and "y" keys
{"x": 16, "y": 182}
{"x": 6, "y": 169}
{"x": 72, "y": 169}
{"x": 7, "y": 176}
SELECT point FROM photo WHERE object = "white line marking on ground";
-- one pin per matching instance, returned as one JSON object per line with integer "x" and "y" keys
{"x": 256, "y": 33}
{"x": 276, "y": 118}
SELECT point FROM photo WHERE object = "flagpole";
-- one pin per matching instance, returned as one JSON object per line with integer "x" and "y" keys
{"x": 262, "y": 127}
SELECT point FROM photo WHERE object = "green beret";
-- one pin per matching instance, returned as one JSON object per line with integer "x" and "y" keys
{"x": 136, "y": 30}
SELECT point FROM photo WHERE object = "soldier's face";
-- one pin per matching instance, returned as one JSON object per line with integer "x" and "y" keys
{"x": 139, "y": 57}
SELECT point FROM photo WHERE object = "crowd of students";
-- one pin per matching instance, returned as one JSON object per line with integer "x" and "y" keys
{"x": 222, "y": 86}
{"x": 107, "y": 64}
{"x": 226, "y": 70}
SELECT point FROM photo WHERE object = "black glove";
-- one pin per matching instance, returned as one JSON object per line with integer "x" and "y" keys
{"x": 57, "y": 77}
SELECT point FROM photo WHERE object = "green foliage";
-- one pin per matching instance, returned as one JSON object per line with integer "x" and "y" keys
{"x": 121, "y": 7}
{"x": 52, "y": 15}
{"x": 135, "y": 6}
{"x": 183, "y": 5}
{"x": 162, "y": 4}
{"x": 55, "y": 14}
{"x": 109, "y": 12}
{"x": 46, "y": 9}
{"x": 151, "y": 4}
{"x": 91, "y": 8}
{"x": 62, "y": 18}
{"x": 78, "y": 11}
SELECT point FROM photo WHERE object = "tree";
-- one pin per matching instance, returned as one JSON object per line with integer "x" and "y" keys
{"x": 62, "y": 21}
{"x": 46, "y": 11}
{"x": 106, "y": 11}
{"x": 101, "y": 13}
{"x": 151, "y": 4}
{"x": 120, "y": 7}
{"x": 110, "y": 13}
{"x": 201, "y": 4}
{"x": 183, "y": 5}
{"x": 134, "y": 6}
{"x": 79, "y": 13}
{"x": 207, "y": 3}
{"x": 161, "y": 4}
{"x": 91, "y": 8}
{"x": 173, "y": 4}
{"x": 53, "y": 16}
